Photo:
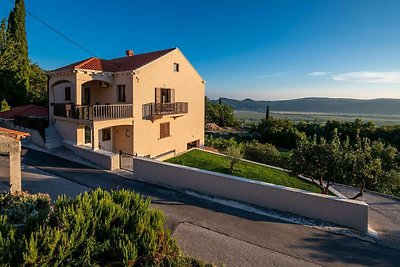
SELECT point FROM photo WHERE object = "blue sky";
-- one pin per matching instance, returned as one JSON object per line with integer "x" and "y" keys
{"x": 243, "y": 49}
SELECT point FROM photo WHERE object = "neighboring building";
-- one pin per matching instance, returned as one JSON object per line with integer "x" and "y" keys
{"x": 28, "y": 118}
{"x": 148, "y": 104}
{"x": 11, "y": 145}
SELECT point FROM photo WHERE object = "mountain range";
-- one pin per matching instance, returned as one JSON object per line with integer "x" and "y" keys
{"x": 384, "y": 106}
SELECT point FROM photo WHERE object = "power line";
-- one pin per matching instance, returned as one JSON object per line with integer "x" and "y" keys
{"x": 57, "y": 31}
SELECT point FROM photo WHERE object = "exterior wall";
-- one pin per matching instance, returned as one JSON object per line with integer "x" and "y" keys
{"x": 188, "y": 87}
{"x": 59, "y": 92}
{"x": 68, "y": 130}
{"x": 345, "y": 212}
{"x": 123, "y": 139}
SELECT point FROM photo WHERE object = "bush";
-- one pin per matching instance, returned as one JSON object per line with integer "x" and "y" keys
{"x": 263, "y": 153}
{"x": 115, "y": 228}
{"x": 219, "y": 143}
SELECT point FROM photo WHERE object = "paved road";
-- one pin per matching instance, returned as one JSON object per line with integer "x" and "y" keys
{"x": 218, "y": 233}
{"x": 383, "y": 214}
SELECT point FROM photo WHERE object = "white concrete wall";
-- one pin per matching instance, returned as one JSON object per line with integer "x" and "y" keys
{"x": 104, "y": 159}
{"x": 350, "y": 213}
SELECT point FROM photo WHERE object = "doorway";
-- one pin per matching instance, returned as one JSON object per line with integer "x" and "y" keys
{"x": 86, "y": 96}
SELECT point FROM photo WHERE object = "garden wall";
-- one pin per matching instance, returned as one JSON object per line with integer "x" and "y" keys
{"x": 350, "y": 213}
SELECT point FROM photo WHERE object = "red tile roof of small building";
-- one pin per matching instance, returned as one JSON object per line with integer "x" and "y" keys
{"x": 17, "y": 135}
{"x": 30, "y": 110}
{"x": 117, "y": 64}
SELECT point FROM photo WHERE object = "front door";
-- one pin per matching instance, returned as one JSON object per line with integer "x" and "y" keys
{"x": 86, "y": 96}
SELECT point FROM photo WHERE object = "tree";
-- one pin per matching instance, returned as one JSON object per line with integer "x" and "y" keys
{"x": 220, "y": 114}
{"x": 37, "y": 85}
{"x": 4, "y": 106}
{"x": 19, "y": 64}
{"x": 234, "y": 154}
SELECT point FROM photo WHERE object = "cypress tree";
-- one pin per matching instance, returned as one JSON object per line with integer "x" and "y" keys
{"x": 17, "y": 33}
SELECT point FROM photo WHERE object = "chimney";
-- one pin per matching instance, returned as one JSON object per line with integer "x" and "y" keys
{"x": 129, "y": 53}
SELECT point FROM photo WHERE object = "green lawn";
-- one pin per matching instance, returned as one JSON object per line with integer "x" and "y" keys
{"x": 212, "y": 162}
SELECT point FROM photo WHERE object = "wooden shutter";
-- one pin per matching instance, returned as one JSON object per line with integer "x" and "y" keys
{"x": 157, "y": 96}
{"x": 172, "y": 92}
{"x": 164, "y": 130}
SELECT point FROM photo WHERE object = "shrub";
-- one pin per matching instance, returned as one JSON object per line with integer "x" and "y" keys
{"x": 263, "y": 153}
{"x": 220, "y": 143}
{"x": 98, "y": 228}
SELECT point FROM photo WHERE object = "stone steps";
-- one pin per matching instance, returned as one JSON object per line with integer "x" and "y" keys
{"x": 53, "y": 138}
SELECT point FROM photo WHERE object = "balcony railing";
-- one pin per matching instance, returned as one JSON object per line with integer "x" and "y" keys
{"x": 151, "y": 109}
{"x": 93, "y": 112}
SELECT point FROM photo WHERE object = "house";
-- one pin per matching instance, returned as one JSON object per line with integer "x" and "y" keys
{"x": 30, "y": 118}
{"x": 149, "y": 104}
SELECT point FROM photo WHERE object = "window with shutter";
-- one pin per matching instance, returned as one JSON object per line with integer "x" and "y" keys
{"x": 164, "y": 130}
{"x": 121, "y": 93}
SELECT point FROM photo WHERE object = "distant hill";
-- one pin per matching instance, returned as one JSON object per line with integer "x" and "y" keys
{"x": 384, "y": 106}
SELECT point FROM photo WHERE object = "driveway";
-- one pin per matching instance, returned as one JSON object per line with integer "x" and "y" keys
{"x": 218, "y": 233}
{"x": 383, "y": 214}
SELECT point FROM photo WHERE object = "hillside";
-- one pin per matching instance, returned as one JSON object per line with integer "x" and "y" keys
{"x": 384, "y": 106}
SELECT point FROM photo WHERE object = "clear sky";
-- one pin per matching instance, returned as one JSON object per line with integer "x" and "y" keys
{"x": 243, "y": 49}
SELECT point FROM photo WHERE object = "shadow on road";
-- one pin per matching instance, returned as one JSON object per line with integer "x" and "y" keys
{"x": 321, "y": 246}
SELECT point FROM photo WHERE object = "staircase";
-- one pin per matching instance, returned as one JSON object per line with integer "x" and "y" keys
{"x": 53, "y": 138}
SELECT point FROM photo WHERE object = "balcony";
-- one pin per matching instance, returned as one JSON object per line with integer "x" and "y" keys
{"x": 93, "y": 112}
{"x": 157, "y": 110}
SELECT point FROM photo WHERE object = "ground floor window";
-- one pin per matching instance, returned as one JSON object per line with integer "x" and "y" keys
{"x": 88, "y": 135}
{"x": 193, "y": 144}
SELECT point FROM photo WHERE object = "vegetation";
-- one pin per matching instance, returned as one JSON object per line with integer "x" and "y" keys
{"x": 212, "y": 162}
{"x": 234, "y": 154}
{"x": 99, "y": 228}
{"x": 20, "y": 80}
{"x": 4, "y": 106}
{"x": 220, "y": 114}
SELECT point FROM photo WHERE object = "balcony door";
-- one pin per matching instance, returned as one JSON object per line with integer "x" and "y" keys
{"x": 86, "y": 96}
{"x": 163, "y": 99}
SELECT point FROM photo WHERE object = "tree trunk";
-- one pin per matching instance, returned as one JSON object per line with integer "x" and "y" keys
{"x": 361, "y": 190}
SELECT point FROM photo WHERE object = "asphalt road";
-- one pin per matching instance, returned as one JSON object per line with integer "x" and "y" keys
{"x": 217, "y": 233}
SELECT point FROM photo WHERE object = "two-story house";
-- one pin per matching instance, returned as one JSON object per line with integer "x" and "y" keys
{"x": 148, "y": 104}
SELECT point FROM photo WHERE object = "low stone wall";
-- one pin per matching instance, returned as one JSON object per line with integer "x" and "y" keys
{"x": 102, "y": 158}
{"x": 350, "y": 213}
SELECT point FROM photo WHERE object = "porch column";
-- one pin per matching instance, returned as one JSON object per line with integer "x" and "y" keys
{"x": 78, "y": 89}
{"x": 15, "y": 169}
{"x": 95, "y": 138}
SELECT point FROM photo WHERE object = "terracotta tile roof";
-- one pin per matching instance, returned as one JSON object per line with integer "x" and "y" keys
{"x": 25, "y": 111}
{"x": 117, "y": 64}
{"x": 17, "y": 135}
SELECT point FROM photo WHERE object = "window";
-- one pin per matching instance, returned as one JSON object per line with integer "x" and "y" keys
{"x": 121, "y": 93}
{"x": 88, "y": 135}
{"x": 164, "y": 130}
{"x": 176, "y": 67}
{"x": 106, "y": 134}
{"x": 67, "y": 93}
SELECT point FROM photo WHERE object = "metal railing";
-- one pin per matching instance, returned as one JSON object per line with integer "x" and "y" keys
{"x": 93, "y": 112}
{"x": 164, "y": 108}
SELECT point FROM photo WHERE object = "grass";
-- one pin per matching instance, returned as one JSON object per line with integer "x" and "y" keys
{"x": 216, "y": 163}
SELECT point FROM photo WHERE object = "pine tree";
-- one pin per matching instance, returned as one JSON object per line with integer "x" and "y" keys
{"x": 16, "y": 33}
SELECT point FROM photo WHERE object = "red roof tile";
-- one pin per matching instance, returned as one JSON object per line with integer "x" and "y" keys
{"x": 25, "y": 111}
{"x": 17, "y": 135}
{"x": 117, "y": 64}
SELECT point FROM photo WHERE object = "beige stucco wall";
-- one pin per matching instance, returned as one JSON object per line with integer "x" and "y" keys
{"x": 123, "y": 138}
{"x": 188, "y": 87}
{"x": 68, "y": 130}
{"x": 345, "y": 212}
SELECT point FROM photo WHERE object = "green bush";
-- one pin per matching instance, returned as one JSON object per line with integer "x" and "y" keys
{"x": 98, "y": 228}
{"x": 263, "y": 153}
{"x": 219, "y": 143}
